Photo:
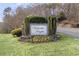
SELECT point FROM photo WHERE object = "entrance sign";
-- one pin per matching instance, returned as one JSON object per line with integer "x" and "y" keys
{"x": 38, "y": 29}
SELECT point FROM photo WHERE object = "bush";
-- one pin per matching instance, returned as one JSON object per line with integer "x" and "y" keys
{"x": 52, "y": 24}
{"x": 17, "y": 32}
{"x": 37, "y": 19}
{"x": 61, "y": 17}
{"x": 26, "y": 25}
{"x": 39, "y": 39}
{"x": 32, "y": 19}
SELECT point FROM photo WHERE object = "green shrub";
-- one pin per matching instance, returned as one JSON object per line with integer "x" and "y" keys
{"x": 17, "y": 32}
{"x": 61, "y": 17}
{"x": 37, "y": 19}
{"x": 51, "y": 21}
{"x": 32, "y": 19}
{"x": 52, "y": 24}
{"x": 26, "y": 25}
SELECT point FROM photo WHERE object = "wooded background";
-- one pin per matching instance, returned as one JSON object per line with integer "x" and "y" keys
{"x": 14, "y": 19}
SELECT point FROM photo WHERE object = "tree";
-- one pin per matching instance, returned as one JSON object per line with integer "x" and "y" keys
{"x": 52, "y": 8}
{"x": 15, "y": 19}
{"x": 7, "y": 11}
{"x": 7, "y": 17}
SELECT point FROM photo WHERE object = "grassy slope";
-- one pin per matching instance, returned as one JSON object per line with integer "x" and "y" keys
{"x": 65, "y": 46}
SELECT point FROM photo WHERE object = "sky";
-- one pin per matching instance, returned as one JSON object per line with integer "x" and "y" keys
{"x": 5, "y": 5}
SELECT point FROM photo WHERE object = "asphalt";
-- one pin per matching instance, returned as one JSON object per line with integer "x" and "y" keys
{"x": 74, "y": 32}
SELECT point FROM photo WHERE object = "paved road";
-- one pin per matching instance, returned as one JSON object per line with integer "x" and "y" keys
{"x": 69, "y": 31}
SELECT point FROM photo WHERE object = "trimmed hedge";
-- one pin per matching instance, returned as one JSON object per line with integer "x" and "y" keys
{"x": 50, "y": 20}
{"x": 17, "y": 32}
{"x": 37, "y": 19}
{"x": 32, "y": 19}
{"x": 52, "y": 24}
{"x": 26, "y": 25}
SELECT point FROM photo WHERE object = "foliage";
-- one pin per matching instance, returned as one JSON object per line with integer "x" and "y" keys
{"x": 61, "y": 17}
{"x": 51, "y": 20}
{"x": 52, "y": 24}
{"x": 15, "y": 18}
{"x": 37, "y": 19}
{"x": 7, "y": 11}
{"x": 32, "y": 19}
{"x": 17, "y": 32}
{"x": 26, "y": 25}
{"x": 39, "y": 39}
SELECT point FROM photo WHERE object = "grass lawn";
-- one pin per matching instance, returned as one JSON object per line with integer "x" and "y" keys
{"x": 65, "y": 46}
